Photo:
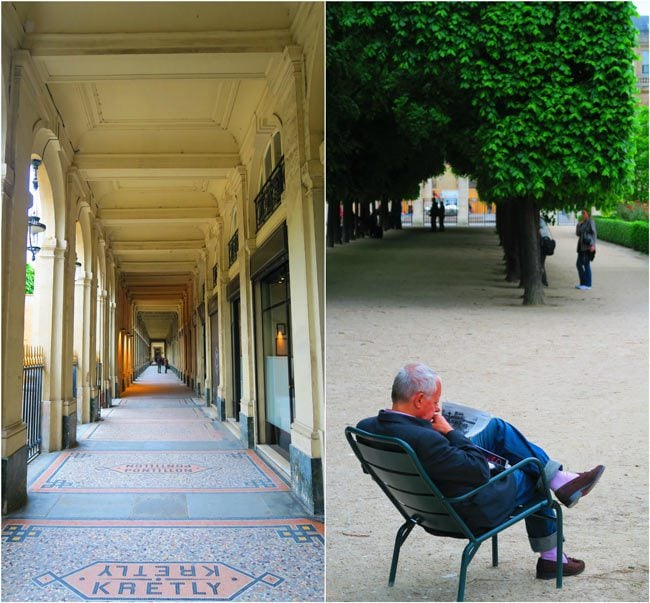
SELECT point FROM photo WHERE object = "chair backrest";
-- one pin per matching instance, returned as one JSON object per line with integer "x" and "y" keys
{"x": 396, "y": 469}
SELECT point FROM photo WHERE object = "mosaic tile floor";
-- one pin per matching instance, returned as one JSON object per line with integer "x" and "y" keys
{"x": 197, "y": 471}
{"x": 159, "y": 503}
{"x": 215, "y": 561}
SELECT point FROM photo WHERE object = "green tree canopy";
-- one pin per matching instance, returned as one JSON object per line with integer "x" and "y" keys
{"x": 534, "y": 99}
{"x": 29, "y": 279}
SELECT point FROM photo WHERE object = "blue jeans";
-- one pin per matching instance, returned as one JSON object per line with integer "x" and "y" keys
{"x": 584, "y": 268}
{"x": 506, "y": 441}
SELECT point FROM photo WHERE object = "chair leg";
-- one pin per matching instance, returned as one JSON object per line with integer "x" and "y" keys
{"x": 495, "y": 550}
{"x": 468, "y": 555}
{"x": 560, "y": 544}
{"x": 400, "y": 538}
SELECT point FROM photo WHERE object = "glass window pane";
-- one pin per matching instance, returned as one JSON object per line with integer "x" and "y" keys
{"x": 277, "y": 147}
{"x": 268, "y": 164}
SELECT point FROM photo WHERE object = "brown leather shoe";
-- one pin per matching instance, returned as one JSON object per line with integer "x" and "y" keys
{"x": 571, "y": 492}
{"x": 546, "y": 569}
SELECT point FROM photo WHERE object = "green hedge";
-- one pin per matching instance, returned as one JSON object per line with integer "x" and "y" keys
{"x": 628, "y": 234}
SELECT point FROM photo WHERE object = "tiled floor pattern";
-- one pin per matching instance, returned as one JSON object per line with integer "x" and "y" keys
{"x": 159, "y": 503}
{"x": 118, "y": 471}
{"x": 246, "y": 560}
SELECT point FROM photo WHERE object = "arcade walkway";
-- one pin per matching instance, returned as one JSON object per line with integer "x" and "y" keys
{"x": 159, "y": 502}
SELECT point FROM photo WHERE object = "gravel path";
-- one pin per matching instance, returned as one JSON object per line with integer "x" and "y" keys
{"x": 572, "y": 375}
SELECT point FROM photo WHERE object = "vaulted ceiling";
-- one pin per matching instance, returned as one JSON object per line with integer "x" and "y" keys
{"x": 157, "y": 98}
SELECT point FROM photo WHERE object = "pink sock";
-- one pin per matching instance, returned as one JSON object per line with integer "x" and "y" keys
{"x": 552, "y": 555}
{"x": 561, "y": 478}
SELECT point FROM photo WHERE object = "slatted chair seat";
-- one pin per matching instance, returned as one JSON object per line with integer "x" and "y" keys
{"x": 394, "y": 466}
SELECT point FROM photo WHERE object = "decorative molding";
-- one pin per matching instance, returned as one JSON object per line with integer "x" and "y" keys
{"x": 214, "y": 42}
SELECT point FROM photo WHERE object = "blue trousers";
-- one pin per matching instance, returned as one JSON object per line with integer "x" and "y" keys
{"x": 507, "y": 441}
{"x": 583, "y": 264}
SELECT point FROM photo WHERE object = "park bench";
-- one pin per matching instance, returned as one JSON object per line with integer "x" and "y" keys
{"x": 392, "y": 463}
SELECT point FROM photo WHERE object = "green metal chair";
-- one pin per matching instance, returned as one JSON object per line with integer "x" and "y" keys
{"x": 394, "y": 466}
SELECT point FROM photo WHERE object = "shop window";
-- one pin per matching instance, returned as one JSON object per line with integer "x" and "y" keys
{"x": 277, "y": 357}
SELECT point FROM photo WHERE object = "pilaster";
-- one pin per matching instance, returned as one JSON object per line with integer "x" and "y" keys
{"x": 247, "y": 333}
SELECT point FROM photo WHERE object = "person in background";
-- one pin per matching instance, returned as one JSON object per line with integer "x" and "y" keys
{"x": 433, "y": 212}
{"x": 586, "y": 233}
{"x": 441, "y": 214}
{"x": 546, "y": 246}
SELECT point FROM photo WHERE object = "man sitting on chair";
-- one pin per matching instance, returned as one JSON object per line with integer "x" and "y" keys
{"x": 456, "y": 464}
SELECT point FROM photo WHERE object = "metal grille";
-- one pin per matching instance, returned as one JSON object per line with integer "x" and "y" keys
{"x": 98, "y": 383}
{"x": 486, "y": 217}
{"x": 270, "y": 195}
{"x": 33, "y": 365}
{"x": 233, "y": 248}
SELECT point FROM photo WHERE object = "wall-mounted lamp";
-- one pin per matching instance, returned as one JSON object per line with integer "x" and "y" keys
{"x": 35, "y": 164}
{"x": 34, "y": 229}
{"x": 281, "y": 343}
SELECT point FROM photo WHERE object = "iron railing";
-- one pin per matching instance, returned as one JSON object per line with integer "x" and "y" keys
{"x": 485, "y": 217}
{"x": 75, "y": 368}
{"x": 270, "y": 195}
{"x": 233, "y": 248}
{"x": 33, "y": 366}
{"x": 99, "y": 385}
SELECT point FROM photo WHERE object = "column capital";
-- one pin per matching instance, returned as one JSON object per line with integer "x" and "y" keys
{"x": 311, "y": 174}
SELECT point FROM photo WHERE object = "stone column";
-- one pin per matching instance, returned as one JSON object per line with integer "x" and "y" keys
{"x": 305, "y": 208}
{"x": 426, "y": 195}
{"x": 91, "y": 346}
{"x": 113, "y": 348}
{"x": 15, "y": 200}
{"x": 102, "y": 347}
{"x": 83, "y": 286}
{"x": 48, "y": 333}
{"x": 225, "y": 356}
{"x": 463, "y": 201}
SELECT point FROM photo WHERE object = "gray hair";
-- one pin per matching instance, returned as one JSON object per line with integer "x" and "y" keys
{"x": 411, "y": 379}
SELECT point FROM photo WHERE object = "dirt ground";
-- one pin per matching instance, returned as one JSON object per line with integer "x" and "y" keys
{"x": 572, "y": 375}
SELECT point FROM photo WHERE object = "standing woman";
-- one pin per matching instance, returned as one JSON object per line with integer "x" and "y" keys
{"x": 586, "y": 233}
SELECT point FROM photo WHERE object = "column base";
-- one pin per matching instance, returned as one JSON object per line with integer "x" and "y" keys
{"x": 247, "y": 430}
{"x": 94, "y": 409}
{"x": 307, "y": 480}
{"x": 14, "y": 481}
{"x": 69, "y": 439}
{"x": 208, "y": 400}
{"x": 221, "y": 405}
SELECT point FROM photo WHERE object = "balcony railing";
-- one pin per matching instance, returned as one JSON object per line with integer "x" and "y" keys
{"x": 233, "y": 248}
{"x": 270, "y": 195}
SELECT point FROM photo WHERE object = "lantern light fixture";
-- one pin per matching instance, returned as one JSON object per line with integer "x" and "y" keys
{"x": 34, "y": 229}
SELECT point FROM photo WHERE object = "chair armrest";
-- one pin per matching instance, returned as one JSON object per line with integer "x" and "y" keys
{"x": 502, "y": 475}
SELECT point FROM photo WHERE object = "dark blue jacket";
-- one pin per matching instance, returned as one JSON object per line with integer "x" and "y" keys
{"x": 454, "y": 464}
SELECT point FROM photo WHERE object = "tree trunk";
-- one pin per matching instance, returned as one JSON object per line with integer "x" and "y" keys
{"x": 531, "y": 264}
{"x": 384, "y": 218}
{"x": 510, "y": 240}
{"x": 348, "y": 221}
{"x": 333, "y": 213}
{"x": 396, "y": 214}
{"x": 364, "y": 219}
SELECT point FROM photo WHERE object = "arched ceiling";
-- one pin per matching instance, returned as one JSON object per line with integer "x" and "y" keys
{"x": 157, "y": 99}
